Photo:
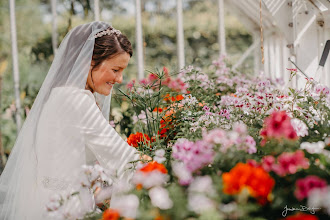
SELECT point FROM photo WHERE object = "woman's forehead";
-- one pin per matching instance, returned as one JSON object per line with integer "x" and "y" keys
{"x": 120, "y": 60}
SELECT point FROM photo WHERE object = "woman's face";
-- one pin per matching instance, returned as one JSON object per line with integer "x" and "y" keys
{"x": 109, "y": 72}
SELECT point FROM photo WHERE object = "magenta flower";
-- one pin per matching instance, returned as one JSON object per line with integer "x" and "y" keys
{"x": 306, "y": 185}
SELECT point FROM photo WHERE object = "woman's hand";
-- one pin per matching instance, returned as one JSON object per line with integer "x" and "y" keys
{"x": 145, "y": 157}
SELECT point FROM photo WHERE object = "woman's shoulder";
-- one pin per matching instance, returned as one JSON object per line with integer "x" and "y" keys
{"x": 72, "y": 92}
{"x": 72, "y": 96}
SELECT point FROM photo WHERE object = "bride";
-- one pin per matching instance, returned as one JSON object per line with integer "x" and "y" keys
{"x": 68, "y": 125}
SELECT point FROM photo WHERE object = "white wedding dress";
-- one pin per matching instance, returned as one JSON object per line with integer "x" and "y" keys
{"x": 64, "y": 130}
{"x": 72, "y": 132}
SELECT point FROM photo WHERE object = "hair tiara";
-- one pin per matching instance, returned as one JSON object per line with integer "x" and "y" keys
{"x": 108, "y": 31}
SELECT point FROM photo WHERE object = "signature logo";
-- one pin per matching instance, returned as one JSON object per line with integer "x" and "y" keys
{"x": 302, "y": 208}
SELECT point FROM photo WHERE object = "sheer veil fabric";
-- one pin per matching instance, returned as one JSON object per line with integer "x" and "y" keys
{"x": 19, "y": 180}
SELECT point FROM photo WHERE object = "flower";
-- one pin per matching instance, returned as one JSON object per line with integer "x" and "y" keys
{"x": 300, "y": 127}
{"x": 130, "y": 85}
{"x": 135, "y": 139}
{"x": 313, "y": 148}
{"x": 306, "y": 185}
{"x": 200, "y": 203}
{"x": 110, "y": 214}
{"x": 258, "y": 182}
{"x": 127, "y": 205}
{"x": 160, "y": 198}
{"x": 159, "y": 156}
{"x": 278, "y": 125}
{"x": 300, "y": 216}
{"x": 182, "y": 173}
{"x": 267, "y": 163}
{"x": 202, "y": 184}
{"x": 150, "y": 175}
{"x": 193, "y": 155}
{"x": 320, "y": 198}
{"x": 290, "y": 163}
{"x": 151, "y": 166}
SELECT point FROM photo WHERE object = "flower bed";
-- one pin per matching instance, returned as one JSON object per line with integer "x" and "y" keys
{"x": 226, "y": 146}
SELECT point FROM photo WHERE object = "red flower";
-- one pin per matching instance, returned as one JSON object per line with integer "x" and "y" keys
{"x": 278, "y": 125}
{"x": 110, "y": 214}
{"x": 301, "y": 216}
{"x": 135, "y": 139}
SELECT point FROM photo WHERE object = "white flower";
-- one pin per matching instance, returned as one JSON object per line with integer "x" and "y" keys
{"x": 189, "y": 100}
{"x": 182, "y": 173}
{"x": 127, "y": 205}
{"x": 151, "y": 179}
{"x": 202, "y": 184}
{"x": 199, "y": 203}
{"x": 103, "y": 194}
{"x": 313, "y": 148}
{"x": 300, "y": 127}
{"x": 159, "y": 156}
{"x": 160, "y": 198}
{"x": 240, "y": 127}
{"x": 320, "y": 198}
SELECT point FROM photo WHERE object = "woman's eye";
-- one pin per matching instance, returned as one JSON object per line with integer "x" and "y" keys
{"x": 115, "y": 71}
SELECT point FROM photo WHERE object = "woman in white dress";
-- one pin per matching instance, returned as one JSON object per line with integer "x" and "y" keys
{"x": 68, "y": 125}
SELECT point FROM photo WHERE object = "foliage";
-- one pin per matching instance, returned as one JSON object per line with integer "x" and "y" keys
{"x": 227, "y": 146}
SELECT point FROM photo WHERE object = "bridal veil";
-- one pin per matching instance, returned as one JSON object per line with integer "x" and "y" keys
{"x": 70, "y": 68}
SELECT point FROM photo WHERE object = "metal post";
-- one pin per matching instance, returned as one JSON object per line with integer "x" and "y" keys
{"x": 54, "y": 26}
{"x": 15, "y": 63}
{"x": 180, "y": 35}
{"x": 96, "y": 10}
{"x": 139, "y": 39}
{"x": 221, "y": 27}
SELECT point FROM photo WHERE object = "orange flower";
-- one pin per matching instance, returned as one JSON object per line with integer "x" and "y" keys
{"x": 173, "y": 99}
{"x": 135, "y": 139}
{"x": 159, "y": 217}
{"x": 258, "y": 182}
{"x": 157, "y": 108}
{"x": 110, "y": 214}
{"x": 151, "y": 166}
{"x": 179, "y": 97}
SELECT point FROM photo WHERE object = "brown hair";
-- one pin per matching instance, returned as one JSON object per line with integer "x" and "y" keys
{"x": 109, "y": 46}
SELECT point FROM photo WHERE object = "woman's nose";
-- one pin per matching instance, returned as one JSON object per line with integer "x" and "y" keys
{"x": 119, "y": 78}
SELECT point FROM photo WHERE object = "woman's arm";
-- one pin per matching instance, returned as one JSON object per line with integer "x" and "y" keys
{"x": 109, "y": 148}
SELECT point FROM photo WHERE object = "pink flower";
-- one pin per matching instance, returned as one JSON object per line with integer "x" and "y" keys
{"x": 267, "y": 163}
{"x": 165, "y": 70}
{"x": 130, "y": 84}
{"x": 214, "y": 136}
{"x": 144, "y": 82}
{"x": 306, "y": 185}
{"x": 193, "y": 155}
{"x": 152, "y": 77}
{"x": 278, "y": 125}
{"x": 290, "y": 163}
{"x": 251, "y": 145}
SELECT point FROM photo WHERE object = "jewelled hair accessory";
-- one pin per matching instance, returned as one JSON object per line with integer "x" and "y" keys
{"x": 108, "y": 32}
